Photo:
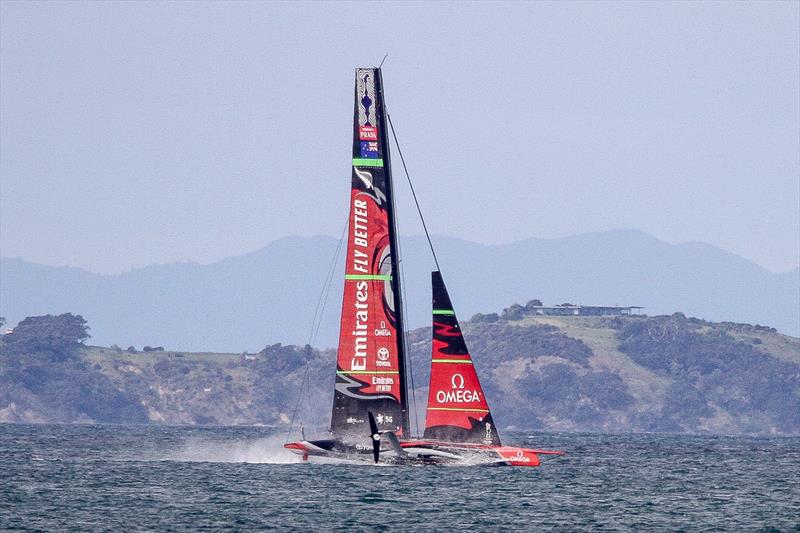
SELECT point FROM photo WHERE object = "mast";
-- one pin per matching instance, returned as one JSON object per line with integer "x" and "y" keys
{"x": 395, "y": 257}
{"x": 371, "y": 365}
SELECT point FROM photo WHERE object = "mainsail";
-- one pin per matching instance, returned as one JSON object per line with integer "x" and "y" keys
{"x": 457, "y": 407}
{"x": 370, "y": 369}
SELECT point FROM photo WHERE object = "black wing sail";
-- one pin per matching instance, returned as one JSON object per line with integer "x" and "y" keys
{"x": 370, "y": 369}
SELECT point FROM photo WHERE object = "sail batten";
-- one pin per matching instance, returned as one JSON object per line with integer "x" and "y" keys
{"x": 370, "y": 371}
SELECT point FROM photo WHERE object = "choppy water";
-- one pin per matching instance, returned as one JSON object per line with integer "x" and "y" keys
{"x": 156, "y": 478}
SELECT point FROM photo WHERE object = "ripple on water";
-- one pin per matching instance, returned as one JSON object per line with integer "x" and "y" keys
{"x": 114, "y": 477}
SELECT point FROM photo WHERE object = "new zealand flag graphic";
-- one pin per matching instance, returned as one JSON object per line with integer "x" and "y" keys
{"x": 369, "y": 150}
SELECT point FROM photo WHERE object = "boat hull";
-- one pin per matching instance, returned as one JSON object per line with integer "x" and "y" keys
{"x": 422, "y": 452}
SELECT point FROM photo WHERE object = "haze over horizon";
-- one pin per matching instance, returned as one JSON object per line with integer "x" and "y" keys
{"x": 146, "y": 133}
{"x": 403, "y": 237}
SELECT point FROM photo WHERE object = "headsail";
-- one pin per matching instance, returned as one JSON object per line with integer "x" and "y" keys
{"x": 370, "y": 369}
{"x": 457, "y": 407}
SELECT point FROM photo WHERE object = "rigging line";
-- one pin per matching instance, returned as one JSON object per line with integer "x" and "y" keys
{"x": 310, "y": 411}
{"x": 405, "y": 338}
{"x": 410, "y": 367}
{"x": 328, "y": 283}
{"x": 331, "y": 272}
{"x": 413, "y": 193}
{"x": 325, "y": 289}
{"x": 315, "y": 325}
{"x": 403, "y": 289}
{"x": 297, "y": 403}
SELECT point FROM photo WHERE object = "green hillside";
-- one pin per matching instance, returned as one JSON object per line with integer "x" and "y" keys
{"x": 667, "y": 373}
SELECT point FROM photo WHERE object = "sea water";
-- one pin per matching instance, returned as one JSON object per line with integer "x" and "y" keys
{"x": 59, "y": 477}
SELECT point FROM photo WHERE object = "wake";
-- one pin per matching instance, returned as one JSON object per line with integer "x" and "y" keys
{"x": 267, "y": 450}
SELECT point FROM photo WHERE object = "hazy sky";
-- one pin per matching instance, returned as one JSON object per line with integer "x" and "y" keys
{"x": 135, "y": 133}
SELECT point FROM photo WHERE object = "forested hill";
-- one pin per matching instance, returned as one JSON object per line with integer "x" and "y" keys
{"x": 665, "y": 373}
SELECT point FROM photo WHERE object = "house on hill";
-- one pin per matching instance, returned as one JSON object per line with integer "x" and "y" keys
{"x": 583, "y": 310}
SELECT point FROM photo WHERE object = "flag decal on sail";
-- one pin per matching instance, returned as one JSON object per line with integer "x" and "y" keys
{"x": 369, "y": 149}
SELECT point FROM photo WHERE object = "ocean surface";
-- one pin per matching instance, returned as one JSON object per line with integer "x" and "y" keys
{"x": 58, "y": 477}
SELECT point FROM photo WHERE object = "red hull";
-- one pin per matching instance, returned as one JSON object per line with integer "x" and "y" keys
{"x": 424, "y": 452}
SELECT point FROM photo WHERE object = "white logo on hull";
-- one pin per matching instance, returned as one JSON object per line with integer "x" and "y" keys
{"x": 520, "y": 457}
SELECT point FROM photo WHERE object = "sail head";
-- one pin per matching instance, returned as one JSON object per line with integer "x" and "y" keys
{"x": 457, "y": 409}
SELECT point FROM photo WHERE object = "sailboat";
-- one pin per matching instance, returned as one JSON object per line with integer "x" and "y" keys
{"x": 370, "y": 418}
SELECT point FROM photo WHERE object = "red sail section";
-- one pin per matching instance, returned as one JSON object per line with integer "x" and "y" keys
{"x": 457, "y": 407}
{"x": 369, "y": 367}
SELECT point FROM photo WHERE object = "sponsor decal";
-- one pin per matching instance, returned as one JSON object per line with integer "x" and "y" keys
{"x": 382, "y": 331}
{"x": 457, "y": 394}
{"x": 381, "y": 418}
{"x": 369, "y": 150}
{"x": 360, "y": 235}
{"x": 520, "y": 457}
{"x": 359, "y": 359}
{"x": 353, "y": 420}
{"x": 383, "y": 357}
{"x": 351, "y": 388}
{"x": 360, "y": 263}
{"x": 383, "y": 353}
{"x": 488, "y": 438}
{"x": 368, "y": 133}
{"x": 382, "y": 384}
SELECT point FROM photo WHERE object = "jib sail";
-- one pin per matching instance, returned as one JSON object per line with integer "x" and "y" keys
{"x": 370, "y": 369}
{"x": 457, "y": 407}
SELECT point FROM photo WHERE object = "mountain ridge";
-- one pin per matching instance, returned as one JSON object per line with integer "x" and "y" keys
{"x": 630, "y": 231}
{"x": 239, "y": 302}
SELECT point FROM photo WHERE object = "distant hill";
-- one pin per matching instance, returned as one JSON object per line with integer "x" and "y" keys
{"x": 666, "y": 373}
{"x": 242, "y": 302}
